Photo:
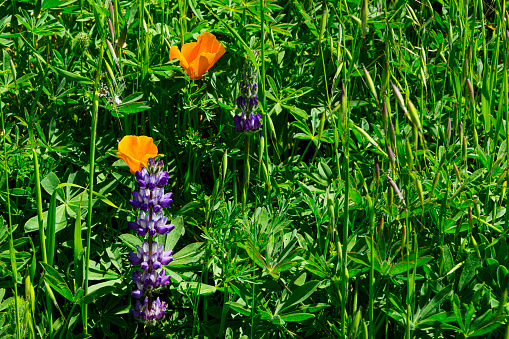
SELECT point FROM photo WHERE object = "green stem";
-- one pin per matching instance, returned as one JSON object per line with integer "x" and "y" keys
{"x": 11, "y": 240}
{"x": 246, "y": 173}
{"x": 91, "y": 181}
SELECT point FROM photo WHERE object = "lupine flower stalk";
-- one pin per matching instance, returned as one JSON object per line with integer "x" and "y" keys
{"x": 248, "y": 120}
{"x": 150, "y": 199}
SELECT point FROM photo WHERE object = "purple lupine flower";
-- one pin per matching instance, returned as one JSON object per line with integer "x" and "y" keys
{"x": 159, "y": 256}
{"x": 247, "y": 121}
{"x": 150, "y": 199}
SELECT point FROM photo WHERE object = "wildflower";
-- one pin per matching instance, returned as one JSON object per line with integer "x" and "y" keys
{"x": 198, "y": 57}
{"x": 151, "y": 256}
{"x": 248, "y": 121}
{"x": 135, "y": 151}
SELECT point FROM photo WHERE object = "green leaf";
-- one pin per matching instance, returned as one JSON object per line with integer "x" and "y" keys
{"x": 173, "y": 237}
{"x": 56, "y": 281}
{"x": 193, "y": 287}
{"x": 239, "y": 308}
{"x": 73, "y": 77}
{"x": 469, "y": 270}
{"x": 296, "y": 317}
{"x": 301, "y": 294}
{"x": 98, "y": 290}
{"x": 130, "y": 240}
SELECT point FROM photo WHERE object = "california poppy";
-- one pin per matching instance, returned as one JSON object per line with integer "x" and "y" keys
{"x": 136, "y": 151}
{"x": 197, "y": 57}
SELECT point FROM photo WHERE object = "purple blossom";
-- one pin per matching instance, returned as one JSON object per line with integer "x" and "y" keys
{"x": 146, "y": 281}
{"x": 149, "y": 315}
{"x": 143, "y": 224}
{"x": 159, "y": 256}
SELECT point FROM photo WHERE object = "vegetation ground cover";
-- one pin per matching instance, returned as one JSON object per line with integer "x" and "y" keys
{"x": 362, "y": 194}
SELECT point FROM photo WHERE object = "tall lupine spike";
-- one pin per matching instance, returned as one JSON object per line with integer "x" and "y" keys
{"x": 151, "y": 256}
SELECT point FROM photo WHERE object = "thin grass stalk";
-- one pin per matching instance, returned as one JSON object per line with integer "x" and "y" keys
{"x": 12, "y": 252}
{"x": 262, "y": 97}
{"x": 372, "y": 266}
{"x": 506, "y": 106}
{"x": 346, "y": 170}
{"x": 93, "y": 136}
{"x": 49, "y": 305}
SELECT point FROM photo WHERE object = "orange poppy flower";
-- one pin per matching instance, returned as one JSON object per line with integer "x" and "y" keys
{"x": 135, "y": 151}
{"x": 197, "y": 57}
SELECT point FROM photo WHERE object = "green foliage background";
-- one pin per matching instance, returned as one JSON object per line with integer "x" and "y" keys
{"x": 371, "y": 203}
